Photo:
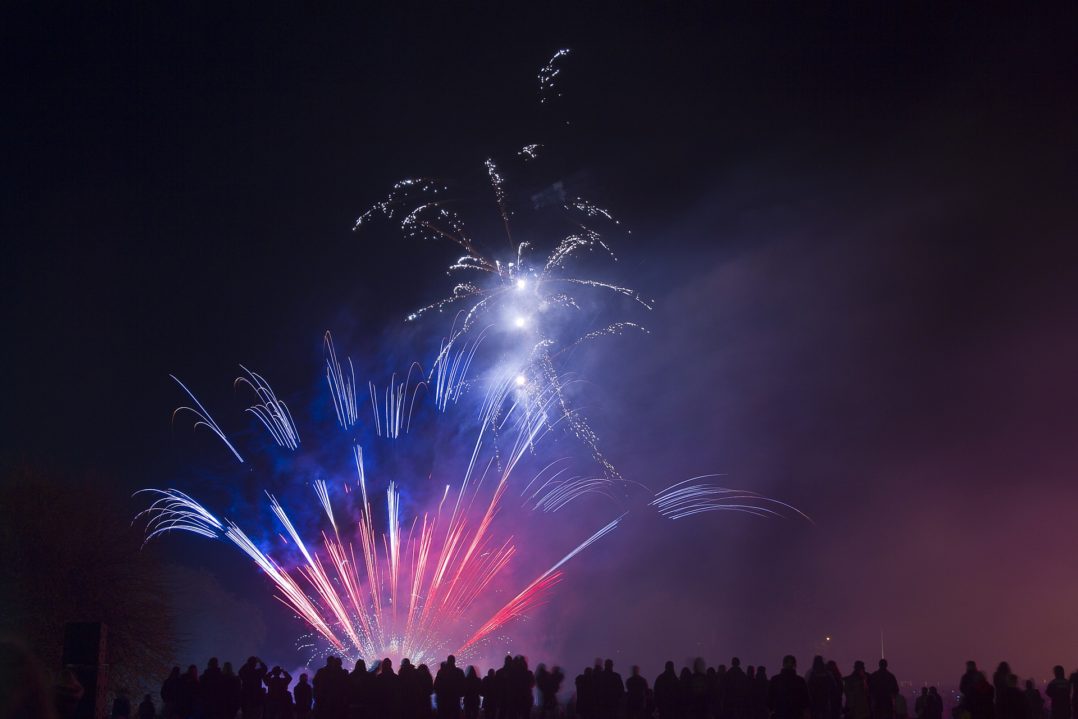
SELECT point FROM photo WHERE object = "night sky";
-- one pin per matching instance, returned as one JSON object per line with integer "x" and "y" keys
{"x": 858, "y": 227}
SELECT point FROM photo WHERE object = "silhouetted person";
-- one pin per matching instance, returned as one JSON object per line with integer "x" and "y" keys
{"x": 585, "y": 694}
{"x": 750, "y": 679}
{"x": 278, "y": 698}
{"x": 212, "y": 698}
{"x": 411, "y": 693}
{"x": 549, "y": 684}
{"x": 1034, "y": 701}
{"x": 425, "y": 683}
{"x": 330, "y": 691}
{"x": 338, "y": 688}
{"x": 231, "y": 693}
{"x": 1010, "y": 701}
{"x": 788, "y": 693}
{"x": 935, "y": 704}
{"x": 542, "y": 681}
{"x": 855, "y": 687}
{"x": 684, "y": 685}
{"x": 251, "y": 694}
{"x": 502, "y": 680}
{"x": 699, "y": 692}
{"x": 121, "y": 705}
{"x": 882, "y": 689}
{"x": 473, "y": 690}
{"x": 666, "y": 693}
{"x": 920, "y": 706}
{"x": 557, "y": 678}
{"x": 821, "y": 688}
{"x": 146, "y": 709}
{"x": 734, "y": 691}
{"x": 387, "y": 691}
{"x": 1000, "y": 680}
{"x": 448, "y": 689}
{"x": 968, "y": 680}
{"x": 1074, "y": 693}
{"x": 489, "y": 690}
{"x": 835, "y": 703}
{"x": 188, "y": 701}
{"x": 1058, "y": 691}
{"x": 320, "y": 690}
{"x": 611, "y": 691}
{"x": 980, "y": 701}
{"x": 519, "y": 690}
{"x": 303, "y": 697}
{"x": 716, "y": 679}
{"x": 170, "y": 694}
{"x": 902, "y": 709}
{"x": 358, "y": 692}
{"x": 758, "y": 694}
{"x": 636, "y": 695}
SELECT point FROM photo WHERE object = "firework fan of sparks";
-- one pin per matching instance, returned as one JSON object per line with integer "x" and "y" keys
{"x": 414, "y": 586}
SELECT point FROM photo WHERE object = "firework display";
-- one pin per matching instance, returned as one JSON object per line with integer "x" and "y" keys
{"x": 427, "y": 574}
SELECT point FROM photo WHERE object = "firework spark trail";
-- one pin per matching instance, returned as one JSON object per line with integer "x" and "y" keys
{"x": 555, "y": 494}
{"x": 175, "y": 510}
{"x": 530, "y": 152}
{"x": 451, "y": 370}
{"x": 572, "y": 244}
{"x": 316, "y": 575}
{"x": 271, "y": 412}
{"x": 322, "y": 490}
{"x": 591, "y": 210}
{"x": 534, "y": 592}
{"x": 691, "y": 496}
{"x": 293, "y": 596}
{"x": 611, "y": 330}
{"x": 548, "y": 74}
{"x": 497, "y": 183}
{"x": 396, "y": 406}
{"x": 203, "y": 417}
{"x": 342, "y": 388}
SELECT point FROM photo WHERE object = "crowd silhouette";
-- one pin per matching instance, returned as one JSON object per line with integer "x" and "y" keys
{"x": 514, "y": 691}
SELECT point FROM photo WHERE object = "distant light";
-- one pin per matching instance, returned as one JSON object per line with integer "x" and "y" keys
{"x": 827, "y": 639}
{"x": 522, "y": 284}
{"x": 521, "y": 380}
{"x": 520, "y": 322}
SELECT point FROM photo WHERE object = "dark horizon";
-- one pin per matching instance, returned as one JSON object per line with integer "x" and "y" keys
{"x": 858, "y": 228}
